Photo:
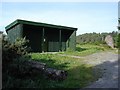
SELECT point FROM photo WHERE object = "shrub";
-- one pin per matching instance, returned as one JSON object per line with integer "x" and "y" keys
{"x": 14, "y": 50}
{"x": 13, "y": 60}
{"x": 118, "y": 41}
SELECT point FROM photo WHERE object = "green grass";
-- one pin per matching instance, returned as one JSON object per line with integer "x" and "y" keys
{"x": 79, "y": 74}
{"x": 87, "y": 49}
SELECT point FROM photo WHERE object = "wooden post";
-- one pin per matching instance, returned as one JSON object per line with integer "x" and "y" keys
{"x": 60, "y": 45}
{"x": 43, "y": 32}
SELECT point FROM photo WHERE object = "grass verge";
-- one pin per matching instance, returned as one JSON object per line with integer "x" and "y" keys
{"x": 87, "y": 49}
{"x": 79, "y": 74}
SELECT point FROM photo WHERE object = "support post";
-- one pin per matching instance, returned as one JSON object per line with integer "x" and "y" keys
{"x": 60, "y": 44}
{"x": 43, "y": 32}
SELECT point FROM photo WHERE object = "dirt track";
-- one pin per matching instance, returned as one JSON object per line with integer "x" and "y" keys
{"x": 108, "y": 63}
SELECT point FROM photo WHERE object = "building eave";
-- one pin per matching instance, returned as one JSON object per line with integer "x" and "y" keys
{"x": 19, "y": 21}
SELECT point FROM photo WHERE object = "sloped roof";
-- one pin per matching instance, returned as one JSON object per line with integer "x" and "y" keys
{"x": 19, "y": 21}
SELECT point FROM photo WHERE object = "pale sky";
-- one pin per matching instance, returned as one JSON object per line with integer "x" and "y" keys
{"x": 88, "y": 17}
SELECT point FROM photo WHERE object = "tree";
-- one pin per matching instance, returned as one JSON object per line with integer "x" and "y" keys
{"x": 96, "y": 38}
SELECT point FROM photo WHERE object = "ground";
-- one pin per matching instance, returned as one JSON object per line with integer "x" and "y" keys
{"x": 108, "y": 63}
{"x": 90, "y": 66}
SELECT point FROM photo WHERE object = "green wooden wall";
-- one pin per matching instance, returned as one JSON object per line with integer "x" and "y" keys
{"x": 72, "y": 41}
{"x": 15, "y": 32}
{"x": 52, "y": 36}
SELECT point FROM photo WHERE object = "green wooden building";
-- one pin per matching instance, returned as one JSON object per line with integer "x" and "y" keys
{"x": 43, "y": 37}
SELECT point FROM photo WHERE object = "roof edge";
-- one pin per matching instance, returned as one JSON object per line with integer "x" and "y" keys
{"x": 18, "y": 21}
{"x": 11, "y": 25}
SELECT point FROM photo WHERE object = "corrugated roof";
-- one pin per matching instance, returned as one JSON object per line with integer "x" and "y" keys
{"x": 19, "y": 21}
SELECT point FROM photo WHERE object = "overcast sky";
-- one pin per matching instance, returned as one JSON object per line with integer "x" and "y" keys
{"x": 87, "y": 17}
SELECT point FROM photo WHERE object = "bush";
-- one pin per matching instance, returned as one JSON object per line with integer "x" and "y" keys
{"x": 13, "y": 60}
{"x": 118, "y": 41}
{"x": 19, "y": 69}
{"x": 14, "y": 50}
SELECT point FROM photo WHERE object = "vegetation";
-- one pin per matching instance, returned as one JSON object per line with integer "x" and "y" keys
{"x": 118, "y": 41}
{"x": 13, "y": 58}
{"x": 96, "y": 38}
{"x": 118, "y": 38}
{"x": 79, "y": 74}
{"x": 87, "y": 49}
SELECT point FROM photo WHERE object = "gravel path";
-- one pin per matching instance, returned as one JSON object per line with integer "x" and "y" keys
{"x": 108, "y": 63}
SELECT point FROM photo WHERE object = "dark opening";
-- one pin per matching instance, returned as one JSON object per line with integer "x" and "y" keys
{"x": 34, "y": 35}
{"x": 46, "y": 39}
{"x": 65, "y": 37}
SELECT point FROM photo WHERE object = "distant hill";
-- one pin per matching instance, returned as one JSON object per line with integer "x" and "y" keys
{"x": 96, "y": 38}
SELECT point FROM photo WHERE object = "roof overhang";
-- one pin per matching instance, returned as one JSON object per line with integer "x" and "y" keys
{"x": 18, "y": 21}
